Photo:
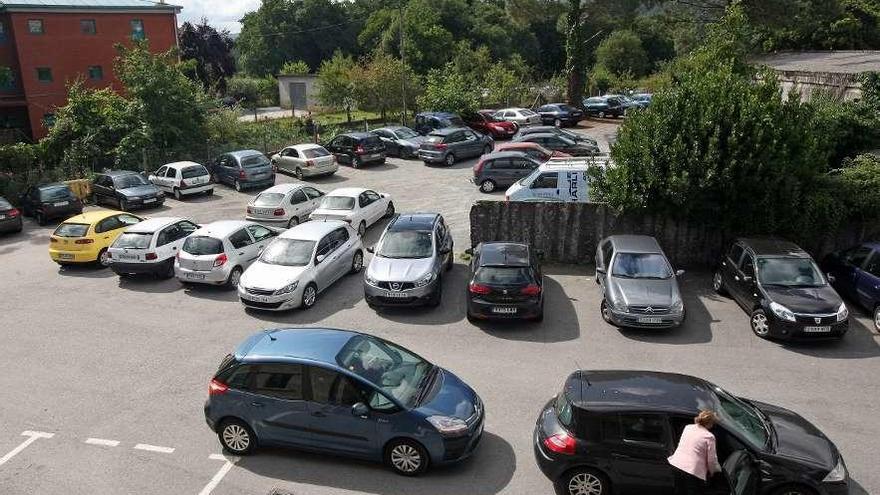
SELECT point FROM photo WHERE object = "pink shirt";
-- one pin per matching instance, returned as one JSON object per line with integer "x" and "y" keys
{"x": 696, "y": 452}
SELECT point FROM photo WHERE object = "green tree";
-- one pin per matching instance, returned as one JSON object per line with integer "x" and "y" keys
{"x": 295, "y": 68}
{"x": 336, "y": 82}
{"x": 622, "y": 52}
{"x": 211, "y": 50}
{"x": 379, "y": 84}
{"x": 448, "y": 90}
{"x": 509, "y": 82}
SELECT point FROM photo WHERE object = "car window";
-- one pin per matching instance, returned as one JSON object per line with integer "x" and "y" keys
{"x": 857, "y": 256}
{"x": 254, "y": 161}
{"x": 133, "y": 240}
{"x": 546, "y": 180}
{"x": 290, "y": 152}
{"x": 372, "y": 196}
{"x": 337, "y": 203}
{"x": 735, "y": 253}
{"x": 71, "y": 230}
{"x": 748, "y": 265}
{"x": 873, "y": 266}
{"x": 312, "y": 193}
{"x": 56, "y": 193}
{"x": 330, "y": 387}
{"x": 363, "y": 200}
{"x": 108, "y": 224}
{"x": 455, "y": 137}
{"x": 298, "y": 197}
{"x": 315, "y": 152}
{"x": 194, "y": 171}
{"x": 203, "y": 246}
{"x": 634, "y": 428}
{"x": 607, "y": 252}
{"x": 187, "y": 227}
{"x": 161, "y": 172}
{"x": 641, "y": 266}
{"x": 470, "y": 136}
{"x": 340, "y": 236}
{"x": 325, "y": 245}
{"x": 129, "y": 181}
{"x": 259, "y": 233}
{"x": 283, "y": 381}
{"x": 240, "y": 239}
{"x": 169, "y": 234}
{"x": 499, "y": 164}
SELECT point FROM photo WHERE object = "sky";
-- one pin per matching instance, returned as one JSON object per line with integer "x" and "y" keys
{"x": 222, "y": 14}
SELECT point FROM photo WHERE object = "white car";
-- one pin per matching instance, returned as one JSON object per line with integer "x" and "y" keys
{"x": 357, "y": 206}
{"x": 305, "y": 160}
{"x": 218, "y": 253}
{"x": 150, "y": 246}
{"x": 183, "y": 179}
{"x": 299, "y": 264}
{"x": 285, "y": 205}
{"x": 558, "y": 180}
{"x": 521, "y": 116}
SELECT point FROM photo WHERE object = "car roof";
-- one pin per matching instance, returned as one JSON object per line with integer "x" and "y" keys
{"x": 283, "y": 188}
{"x": 358, "y": 135}
{"x": 541, "y": 134}
{"x": 566, "y": 163}
{"x": 505, "y": 154}
{"x": 635, "y": 243}
{"x": 91, "y": 217}
{"x": 774, "y": 247}
{"x": 52, "y": 184}
{"x": 244, "y": 153}
{"x": 313, "y": 344}
{"x": 516, "y": 144}
{"x": 413, "y": 221}
{"x": 447, "y": 131}
{"x": 394, "y": 128}
{"x": 633, "y": 390}
{"x": 221, "y": 228}
{"x": 180, "y": 165}
{"x": 539, "y": 129}
{"x": 119, "y": 173}
{"x": 312, "y": 231}
{"x": 504, "y": 253}
{"x": 153, "y": 224}
{"x": 352, "y": 192}
{"x": 305, "y": 146}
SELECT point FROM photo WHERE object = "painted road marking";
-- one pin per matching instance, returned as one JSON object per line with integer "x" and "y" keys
{"x": 103, "y": 442}
{"x": 33, "y": 436}
{"x": 220, "y": 474}
{"x": 154, "y": 448}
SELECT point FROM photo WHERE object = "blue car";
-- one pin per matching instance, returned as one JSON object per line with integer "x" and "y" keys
{"x": 855, "y": 272}
{"x": 344, "y": 393}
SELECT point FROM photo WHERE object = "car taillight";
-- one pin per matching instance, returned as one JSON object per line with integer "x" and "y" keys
{"x": 241, "y": 174}
{"x": 561, "y": 443}
{"x": 52, "y": 239}
{"x": 84, "y": 241}
{"x": 183, "y": 183}
{"x": 310, "y": 163}
{"x": 279, "y": 212}
{"x": 216, "y": 387}
{"x": 441, "y": 146}
{"x": 531, "y": 290}
{"x": 151, "y": 256}
{"x": 479, "y": 288}
{"x": 220, "y": 260}
{"x": 360, "y": 150}
{"x": 13, "y": 213}
{"x": 250, "y": 210}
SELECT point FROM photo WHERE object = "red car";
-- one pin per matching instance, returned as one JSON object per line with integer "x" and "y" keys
{"x": 534, "y": 150}
{"x": 483, "y": 121}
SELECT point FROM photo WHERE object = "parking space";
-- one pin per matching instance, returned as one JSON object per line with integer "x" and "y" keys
{"x": 87, "y": 355}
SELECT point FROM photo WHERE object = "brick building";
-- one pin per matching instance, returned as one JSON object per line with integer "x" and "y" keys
{"x": 49, "y": 43}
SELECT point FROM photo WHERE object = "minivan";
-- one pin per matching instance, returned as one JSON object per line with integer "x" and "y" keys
{"x": 502, "y": 169}
{"x": 564, "y": 179}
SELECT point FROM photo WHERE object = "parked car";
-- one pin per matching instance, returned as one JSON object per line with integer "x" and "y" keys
{"x": 627, "y": 102}
{"x": 400, "y": 141}
{"x": 855, "y": 272}
{"x": 560, "y": 179}
{"x": 484, "y": 122}
{"x": 779, "y": 285}
{"x": 126, "y": 190}
{"x": 534, "y": 150}
{"x": 639, "y": 286}
{"x": 357, "y": 206}
{"x": 300, "y": 264}
{"x": 344, "y": 393}
{"x": 601, "y": 106}
{"x": 502, "y": 169}
{"x": 610, "y": 432}
{"x": 560, "y": 114}
{"x": 522, "y": 117}
{"x": 49, "y": 202}
{"x": 427, "y": 122}
{"x": 305, "y": 160}
{"x": 183, "y": 179}
{"x": 284, "y": 205}
{"x": 357, "y": 149}
{"x": 219, "y": 252}
{"x": 643, "y": 100}
{"x": 85, "y": 238}
{"x": 555, "y": 142}
{"x": 243, "y": 170}
{"x": 150, "y": 247}
{"x": 452, "y": 144}
{"x": 505, "y": 282}
{"x": 409, "y": 261}
{"x": 10, "y": 217}
{"x": 544, "y": 129}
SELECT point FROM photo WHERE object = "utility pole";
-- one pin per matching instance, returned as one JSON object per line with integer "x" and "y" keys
{"x": 402, "y": 60}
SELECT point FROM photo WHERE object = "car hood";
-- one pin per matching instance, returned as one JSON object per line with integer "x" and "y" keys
{"x": 808, "y": 300}
{"x": 645, "y": 292}
{"x": 399, "y": 270}
{"x": 145, "y": 190}
{"x": 273, "y": 277}
{"x": 798, "y": 439}
{"x": 331, "y": 214}
{"x": 449, "y": 396}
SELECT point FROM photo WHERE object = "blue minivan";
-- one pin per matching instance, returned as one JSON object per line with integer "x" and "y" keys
{"x": 243, "y": 169}
{"x": 855, "y": 272}
{"x": 344, "y": 393}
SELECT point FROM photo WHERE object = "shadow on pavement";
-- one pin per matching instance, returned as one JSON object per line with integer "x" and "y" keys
{"x": 211, "y": 292}
{"x": 85, "y": 270}
{"x": 149, "y": 284}
{"x": 858, "y": 343}
{"x": 451, "y": 309}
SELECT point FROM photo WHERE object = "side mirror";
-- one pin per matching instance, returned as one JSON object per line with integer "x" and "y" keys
{"x": 831, "y": 278}
{"x": 320, "y": 258}
{"x": 469, "y": 251}
{"x": 445, "y": 250}
{"x": 360, "y": 410}
{"x": 679, "y": 273}
{"x": 371, "y": 249}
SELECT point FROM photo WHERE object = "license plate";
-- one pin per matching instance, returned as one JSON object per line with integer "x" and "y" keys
{"x": 262, "y": 299}
{"x": 504, "y": 310}
{"x": 151, "y": 200}
{"x": 65, "y": 256}
{"x": 823, "y": 329}
{"x": 61, "y": 203}
{"x": 127, "y": 256}
{"x": 195, "y": 276}
{"x": 650, "y": 320}
{"x": 395, "y": 295}
{"x": 263, "y": 211}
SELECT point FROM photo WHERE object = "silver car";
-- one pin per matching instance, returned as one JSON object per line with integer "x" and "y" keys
{"x": 218, "y": 253}
{"x": 409, "y": 261}
{"x": 284, "y": 205}
{"x": 305, "y": 160}
{"x": 639, "y": 287}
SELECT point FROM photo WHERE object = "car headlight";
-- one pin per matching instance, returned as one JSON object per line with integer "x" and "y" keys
{"x": 135, "y": 198}
{"x": 425, "y": 280}
{"x": 618, "y": 304}
{"x": 842, "y": 312}
{"x": 677, "y": 306}
{"x": 837, "y": 474}
{"x": 781, "y": 312}
{"x": 448, "y": 425}
{"x": 287, "y": 289}
{"x": 370, "y": 280}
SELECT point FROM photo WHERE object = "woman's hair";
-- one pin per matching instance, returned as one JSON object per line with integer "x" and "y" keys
{"x": 706, "y": 419}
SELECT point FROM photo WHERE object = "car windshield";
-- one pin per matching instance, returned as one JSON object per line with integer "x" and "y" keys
{"x": 528, "y": 113}
{"x": 4, "y": 205}
{"x": 315, "y": 152}
{"x": 405, "y": 133}
{"x": 52, "y": 193}
{"x": 396, "y": 371}
{"x": 129, "y": 181}
{"x": 268, "y": 199}
{"x": 503, "y": 275}
{"x": 194, "y": 171}
{"x": 202, "y": 246}
{"x": 288, "y": 252}
{"x": 254, "y": 161}
{"x": 790, "y": 272}
{"x": 72, "y": 230}
{"x": 641, "y": 265}
{"x": 566, "y": 141}
{"x": 406, "y": 244}
{"x": 743, "y": 418}
{"x": 455, "y": 122}
{"x": 133, "y": 240}
{"x": 435, "y": 138}
{"x": 337, "y": 203}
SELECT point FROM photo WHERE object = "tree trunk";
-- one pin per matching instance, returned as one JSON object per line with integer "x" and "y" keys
{"x": 574, "y": 54}
{"x": 348, "y": 113}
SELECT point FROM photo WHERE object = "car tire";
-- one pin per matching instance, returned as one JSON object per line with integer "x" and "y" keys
{"x": 718, "y": 283}
{"x": 470, "y": 317}
{"x": 605, "y": 311}
{"x": 583, "y": 480}
{"x": 177, "y": 194}
{"x": 298, "y": 173}
{"x": 557, "y": 123}
{"x": 601, "y": 115}
{"x": 362, "y": 228}
{"x": 389, "y": 211}
{"x": 540, "y": 317}
{"x": 357, "y": 262}
{"x": 234, "y": 278}
{"x": 406, "y": 457}
{"x": 237, "y": 437}
{"x": 877, "y": 318}
{"x": 309, "y": 297}
{"x": 209, "y": 192}
{"x": 487, "y": 186}
{"x": 356, "y": 162}
{"x": 123, "y": 205}
{"x": 449, "y": 160}
{"x": 168, "y": 272}
{"x": 760, "y": 323}
{"x": 237, "y": 186}
{"x": 40, "y": 218}
{"x": 103, "y": 258}
{"x": 451, "y": 261}
{"x": 293, "y": 222}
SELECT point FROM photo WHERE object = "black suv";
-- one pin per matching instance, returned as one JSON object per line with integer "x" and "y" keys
{"x": 126, "y": 190}
{"x": 782, "y": 289}
{"x": 506, "y": 282}
{"x": 50, "y": 201}
{"x": 611, "y": 432}
{"x": 560, "y": 114}
{"x": 357, "y": 148}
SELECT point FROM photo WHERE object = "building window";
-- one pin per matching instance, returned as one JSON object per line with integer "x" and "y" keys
{"x": 96, "y": 72}
{"x": 2, "y": 32}
{"x": 88, "y": 26}
{"x": 44, "y": 74}
{"x": 8, "y": 83}
{"x": 35, "y": 26}
{"x": 137, "y": 30}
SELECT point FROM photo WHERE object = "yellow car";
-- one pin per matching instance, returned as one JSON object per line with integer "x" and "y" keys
{"x": 86, "y": 237}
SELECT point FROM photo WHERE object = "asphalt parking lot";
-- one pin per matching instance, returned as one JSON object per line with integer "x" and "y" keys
{"x": 102, "y": 380}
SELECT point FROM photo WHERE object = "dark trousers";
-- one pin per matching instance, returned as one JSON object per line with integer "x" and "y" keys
{"x": 688, "y": 484}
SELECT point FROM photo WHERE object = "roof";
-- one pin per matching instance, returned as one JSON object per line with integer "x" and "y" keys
{"x": 414, "y": 221}
{"x": 774, "y": 247}
{"x": 635, "y": 244}
{"x": 283, "y": 188}
{"x": 621, "y": 390}
{"x": 563, "y": 163}
{"x": 838, "y": 62}
{"x": 48, "y": 5}
{"x": 241, "y": 153}
{"x": 351, "y": 192}
{"x": 535, "y": 129}
{"x": 446, "y": 131}
{"x": 358, "y": 135}
{"x": 305, "y": 146}
{"x": 518, "y": 144}
{"x": 505, "y": 154}
{"x": 179, "y": 165}
{"x": 439, "y": 114}
{"x": 312, "y": 231}
{"x": 93, "y": 216}
{"x": 314, "y": 344}
{"x": 512, "y": 109}
{"x": 504, "y": 253}
{"x": 153, "y": 224}
{"x": 221, "y": 228}
{"x": 120, "y": 173}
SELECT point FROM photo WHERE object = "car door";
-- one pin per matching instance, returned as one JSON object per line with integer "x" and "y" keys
{"x": 299, "y": 204}
{"x": 173, "y": 176}
{"x": 345, "y": 250}
{"x": 227, "y": 169}
{"x": 289, "y": 160}
{"x": 744, "y": 282}
{"x": 849, "y": 270}
{"x": 444, "y": 242}
{"x": 101, "y": 189}
{"x": 521, "y": 167}
{"x": 639, "y": 445}
{"x": 604, "y": 256}
{"x": 242, "y": 247}
{"x": 158, "y": 177}
{"x": 330, "y": 407}
{"x": 730, "y": 265}
{"x": 475, "y": 144}
{"x": 324, "y": 269}
{"x": 274, "y": 401}
{"x": 262, "y": 237}
{"x": 389, "y": 140}
{"x": 742, "y": 475}
{"x": 314, "y": 198}
{"x": 545, "y": 185}
{"x": 338, "y": 147}
{"x": 868, "y": 284}
{"x": 166, "y": 245}
{"x": 375, "y": 207}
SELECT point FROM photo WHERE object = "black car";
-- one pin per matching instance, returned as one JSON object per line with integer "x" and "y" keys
{"x": 126, "y": 190}
{"x": 357, "y": 149}
{"x": 560, "y": 114}
{"x": 555, "y": 142}
{"x": 611, "y": 432}
{"x": 505, "y": 283}
{"x": 545, "y": 129}
{"x": 401, "y": 141}
{"x": 50, "y": 202}
{"x": 10, "y": 217}
{"x": 601, "y": 106}
{"x": 782, "y": 289}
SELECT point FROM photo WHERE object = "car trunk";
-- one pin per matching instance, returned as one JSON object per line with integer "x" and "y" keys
{"x": 256, "y": 168}
{"x": 504, "y": 285}
{"x": 71, "y": 237}
{"x": 199, "y": 253}
{"x": 195, "y": 176}
{"x": 132, "y": 247}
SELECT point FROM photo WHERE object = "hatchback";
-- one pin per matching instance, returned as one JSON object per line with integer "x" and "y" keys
{"x": 150, "y": 246}
{"x": 452, "y": 144}
{"x": 785, "y": 294}
{"x": 502, "y": 169}
{"x": 357, "y": 149}
{"x": 344, "y": 393}
{"x": 284, "y": 205}
{"x": 505, "y": 282}
{"x": 409, "y": 261}
{"x": 85, "y": 238}
{"x": 560, "y": 114}
{"x": 566, "y": 133}
{"x": 611, "y": 432}
{"x": 601, "y": 106}
{"x": 555, "y": 142}
{"x": 10, "y": 217}
{"x": 218, "y": 253}
{"x": 305, "y": 160}
{"x": 125, "y": 190}
{"x": 299, "y": 264}
{"x": 400, "y": 141}
{"x": 50, "y": 201}
{"x": 243, "y": 169}
{"x": 183, "y": 179}
{"x": 522, "y": 117}
{"x": 485, "y": 122}
{"x": 360, "y": 207}
{"x": 856, "y": 273}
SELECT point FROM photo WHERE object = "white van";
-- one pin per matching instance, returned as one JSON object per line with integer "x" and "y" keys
{"x": 560, "y": 179}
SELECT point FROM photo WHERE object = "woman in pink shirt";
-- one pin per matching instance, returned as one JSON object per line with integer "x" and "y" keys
{"x": 695, "y": 459}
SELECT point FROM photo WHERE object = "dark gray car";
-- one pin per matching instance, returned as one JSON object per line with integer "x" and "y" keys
{"x": 639, "y": 287}
{"x": 243, "y": 169}
{"x": 10, "y": 217}
{"x": 454, "y": 143}
{"x": 125, "y": 190}
{"x": 544, "y": 129}
{"x": 400, "y": 141}
{"x": 502, "y": 169}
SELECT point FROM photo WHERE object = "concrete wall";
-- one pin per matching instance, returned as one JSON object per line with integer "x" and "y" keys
{"x": 311, "y": 90}
{"x": 844, "y": 86}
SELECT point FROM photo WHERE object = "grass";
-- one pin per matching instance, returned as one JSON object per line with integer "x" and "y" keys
{"x": 341, "y": 117}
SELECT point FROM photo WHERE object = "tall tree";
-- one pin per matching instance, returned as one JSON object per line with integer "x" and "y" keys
{"x": 211, "y": 50}
{"x": 575, "y": 55}
{"x": 336, "y": 82}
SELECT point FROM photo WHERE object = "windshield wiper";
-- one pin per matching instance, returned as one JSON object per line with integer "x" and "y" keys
{"x": 424, "y": 382}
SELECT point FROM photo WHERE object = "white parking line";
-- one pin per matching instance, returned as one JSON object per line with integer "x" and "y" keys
{"x": 220, "y": 474}
{"x": 103, "y": 442}
{"x": 33, "y": 436}
{"x": 154, "y": 448}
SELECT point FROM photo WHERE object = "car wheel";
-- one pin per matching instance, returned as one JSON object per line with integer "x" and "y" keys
{"x": 601, "y": 115}
{"x": 470, "y": 317}
{"x": 760, "y": 323}
{"x": 293, "y": 222}
{"x": 540, "y": 317}
{"x": 104, "y": 258}
{"x": 310, "y": 296}
{"x": 236, "y": 437}
{"x": 356, "y": 163}
{"x": 450, "y": 262}
{"x": 389, "y": 211}
{"x": 362, "y": 228}
{"x": 487, "y": 186}
{"x": 237, "y": 186}
{"x": 357, "y": 262}
{"x": 234, "y": 278}
{"x": 877, "y": 318}
{"x": 606, "y": 312}
{"x": 718, "y": 283}
{"x": 557, "y": 123}
{"x": 406, "y": 457}
{"x": 298, "y": 173}
{"x": 40, "y": 218}
{"x": 168, "y": 272}
{"x": 449, "y": 160}
{"x": 209, "y": 192}
{"x": 177, "y": 194}
{"x": 487, "y": 149}
{"x": 583, "y": 482}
